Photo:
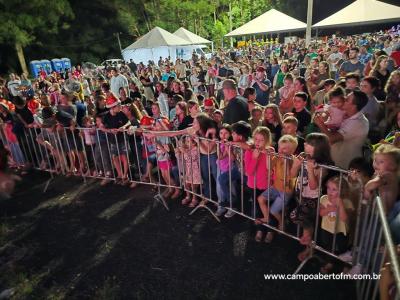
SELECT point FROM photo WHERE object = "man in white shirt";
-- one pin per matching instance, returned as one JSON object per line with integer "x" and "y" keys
{"x": 117, "y": 81}
{"x": 13, "y": 85}
{"x": 348, "y": 140}
{"x": 333, "y": 59}
{"x": 180, "y": 69}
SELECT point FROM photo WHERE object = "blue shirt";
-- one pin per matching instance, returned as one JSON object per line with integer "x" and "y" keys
{"x": 364, "y": 58}
{"x": 165, "y": 76}
{"x": 262, "y": 96}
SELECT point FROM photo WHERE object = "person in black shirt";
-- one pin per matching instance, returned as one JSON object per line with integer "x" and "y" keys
{"x": 237, "y": 108}
{"x": 115, "y": 122}
{"x": 100, "y": 105}
{"x": 300, "y": 111}
{"x": 23, "y": 129}
{"x": 24, "y": 115}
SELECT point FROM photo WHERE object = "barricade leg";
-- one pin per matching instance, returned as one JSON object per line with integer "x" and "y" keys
{"x": 208, "y": 172}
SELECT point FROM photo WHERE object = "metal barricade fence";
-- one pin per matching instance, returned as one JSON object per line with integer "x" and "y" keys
{"x": 230, "y": 179}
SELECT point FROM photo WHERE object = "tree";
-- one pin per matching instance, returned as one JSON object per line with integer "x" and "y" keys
{"x": 22, "y": 21}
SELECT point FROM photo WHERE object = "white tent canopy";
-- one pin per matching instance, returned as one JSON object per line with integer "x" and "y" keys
{"x": 157, "y": 37}
{"x": 187, "y": 35}
{"x": 159, "y": 43}
{"x": 362, "y": 12}
{"x": 272, "y": 21}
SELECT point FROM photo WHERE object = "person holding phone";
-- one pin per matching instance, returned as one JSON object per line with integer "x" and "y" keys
{"x": 262, "y": 86}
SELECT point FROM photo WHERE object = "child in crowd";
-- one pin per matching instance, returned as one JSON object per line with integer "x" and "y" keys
{"x": 49, "y": 139}
{"x": 241, "y": 132}
{"x": 218, "y": 116}
{"x": 300, "y": 111}
{"x": 256, "y": 164}
{"x": 225, "y": 163}
{"x": 321, "y": 97}
{"x": 102, "y": 152}
{"x": 286, "y": 94}
{"x": 273, "y": 121}
{"x": 274, "y": 200}
{"x": 256, "y": 117}
{"x": 333, "y": 113}
{"x": 11, "y": 139}
{"x": 164, "y": 161}
{"x": 335, "y": 204}
{"x": 385, "y": 180}
{"x": 115, "y": 123}
{"x": 89, "y": 135}
{"x": 316, "y": 151}
{"x": 149, "y": 149}
{"x": 289, "y": 126}
{"x": 189, "y": 154}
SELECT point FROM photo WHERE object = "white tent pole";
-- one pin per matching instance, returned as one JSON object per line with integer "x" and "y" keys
{"x": 309, "y": 22}
{"x": 230, "y": 21}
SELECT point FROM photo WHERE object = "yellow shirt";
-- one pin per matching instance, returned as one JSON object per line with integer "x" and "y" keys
{"x": 329, "y": 221}
{"x": 278, "y": 164}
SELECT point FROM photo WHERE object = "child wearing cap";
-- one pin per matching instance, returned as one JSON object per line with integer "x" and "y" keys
{"x": 209, "y": 106}
{"x": 116, "y": 123}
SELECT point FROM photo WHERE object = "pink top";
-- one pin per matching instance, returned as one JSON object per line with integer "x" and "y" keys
{"x": 10, "y": 136}
{"x": 256, "y": 168}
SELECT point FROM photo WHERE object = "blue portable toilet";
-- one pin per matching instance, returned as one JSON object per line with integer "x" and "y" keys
{"x": 66, "y": 63}
{"x": 46, "y": 65}
{"x": 35, "y": 67}
{"x": 57, "y": 65}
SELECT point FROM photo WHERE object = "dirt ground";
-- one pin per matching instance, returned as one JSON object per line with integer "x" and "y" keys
{"x": 83, "y": 241}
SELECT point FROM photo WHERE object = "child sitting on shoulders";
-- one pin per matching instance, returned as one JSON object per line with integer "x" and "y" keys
{"x": 333, "y": 113}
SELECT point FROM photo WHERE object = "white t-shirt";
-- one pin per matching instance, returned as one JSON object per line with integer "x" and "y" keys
{"x": 117, "y": 82}
{"x": 12, "y": 86}
{"x": 336, "y": 115}
{"x": 371, "y": 111}
{"x": 334, "y": 57}
{"x": 354, "y": 131}
{"x": 163, "y": 103}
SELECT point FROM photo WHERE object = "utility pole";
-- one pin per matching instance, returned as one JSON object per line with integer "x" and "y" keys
{"x": 309, "y": 22}
{"x": 230, "y": 21}
{"x": 119, "y": 42}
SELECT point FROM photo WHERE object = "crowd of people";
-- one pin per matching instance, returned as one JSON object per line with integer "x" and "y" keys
{"x": 250, "y": 118}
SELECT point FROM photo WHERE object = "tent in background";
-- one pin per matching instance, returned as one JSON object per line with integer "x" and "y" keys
{"x": 157, "y": 42}
{"x": 273, "y": 21}
{"x": 194, "y": 39}
{"x": 362, "y": 12}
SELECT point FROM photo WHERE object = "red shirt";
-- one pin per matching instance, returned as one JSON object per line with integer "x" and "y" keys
{"x": 396, "y": 57}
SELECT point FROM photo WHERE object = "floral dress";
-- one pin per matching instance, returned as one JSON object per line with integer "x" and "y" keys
{"x": 192, "y": 166}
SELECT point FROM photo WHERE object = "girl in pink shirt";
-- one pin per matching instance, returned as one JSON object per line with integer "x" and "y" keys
{"x": 256, "y": 162}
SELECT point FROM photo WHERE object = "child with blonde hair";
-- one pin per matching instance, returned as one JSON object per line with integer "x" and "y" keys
{"x": 256, "y": 165}
{"x": 386, "y": 178}
{"x": 275, "y": 199}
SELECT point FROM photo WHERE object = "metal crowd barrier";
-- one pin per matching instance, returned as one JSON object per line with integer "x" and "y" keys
{"x": 131, "y": 158}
